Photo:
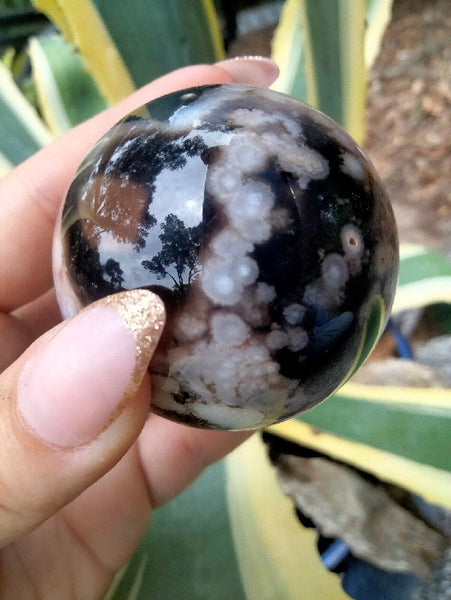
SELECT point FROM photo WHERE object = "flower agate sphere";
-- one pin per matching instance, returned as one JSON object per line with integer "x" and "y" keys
{"x": 262, "y": 227}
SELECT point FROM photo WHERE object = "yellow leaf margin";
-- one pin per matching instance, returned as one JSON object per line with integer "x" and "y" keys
{"x": 49, "y": 96}
{"x": 277, "y": 556}
{"x": 434, "y": 485}
{"x": 378, "y": 18}
{"x": 82, "y": 25}
{"x": 353, "y": 71}
{"x": 432, "y": 399}
{"x": 214, "y": 28}
{"x": 288, "y": 46}
{"x": 22, "y": 109}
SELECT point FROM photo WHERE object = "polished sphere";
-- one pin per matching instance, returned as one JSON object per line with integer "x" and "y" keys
{"x": 265, "y": 231}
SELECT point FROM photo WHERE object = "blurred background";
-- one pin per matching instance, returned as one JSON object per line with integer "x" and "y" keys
{"x": 382, "y": 68}
{"x": 408, "y": 97}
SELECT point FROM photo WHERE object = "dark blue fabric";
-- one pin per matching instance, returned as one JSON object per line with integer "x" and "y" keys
{"x": 363, "y": 581}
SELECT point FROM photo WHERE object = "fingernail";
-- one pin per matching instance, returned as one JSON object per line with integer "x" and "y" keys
{"x": 254, "y": 70}
{"x": 76, "y": 385}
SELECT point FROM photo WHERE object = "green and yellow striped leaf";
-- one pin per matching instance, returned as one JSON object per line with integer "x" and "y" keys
{"x": 231, "y": 535}
{"x": 424, "y": 278}
{"x": 21, "y": 130}
{"x": 378, "y": 15}
{"x": 277, "y": 557}
{"x": 82, "y": 25}
{"x": 127, "y": 44}
{"x": 288, "y": 50}
{"x": 188, "y": 551}
{"x": 321, "y": 47}
{"x": 66, "y": 93}
{"x": 155, "y": 38}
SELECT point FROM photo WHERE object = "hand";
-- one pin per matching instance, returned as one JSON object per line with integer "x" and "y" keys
{"x": 81, "y": 464}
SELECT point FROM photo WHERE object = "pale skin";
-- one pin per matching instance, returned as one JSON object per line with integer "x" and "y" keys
{"x": 59, "y": 516}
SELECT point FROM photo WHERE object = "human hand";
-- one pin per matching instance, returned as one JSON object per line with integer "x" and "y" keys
{"x": 82, "y": 465}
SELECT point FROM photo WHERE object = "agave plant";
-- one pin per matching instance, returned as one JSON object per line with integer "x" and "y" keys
{"x": 72, "y": 79}
{"x": 234, "y": 533}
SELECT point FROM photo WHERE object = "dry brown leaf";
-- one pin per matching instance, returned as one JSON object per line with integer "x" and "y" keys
{"x": 344, "y": 505}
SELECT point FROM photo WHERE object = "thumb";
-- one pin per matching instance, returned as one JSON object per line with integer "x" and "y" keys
{"x": 72, "y": 405}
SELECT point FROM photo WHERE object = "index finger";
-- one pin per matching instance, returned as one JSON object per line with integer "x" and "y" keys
{"x": 30, "y": 195}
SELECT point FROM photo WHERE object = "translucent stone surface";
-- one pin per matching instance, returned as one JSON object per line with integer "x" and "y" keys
{"x": 265, "y": 231}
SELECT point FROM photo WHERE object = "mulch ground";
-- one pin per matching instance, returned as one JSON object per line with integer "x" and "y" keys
{"x": 408, "y": 116}
{"x": 409, "y": 120}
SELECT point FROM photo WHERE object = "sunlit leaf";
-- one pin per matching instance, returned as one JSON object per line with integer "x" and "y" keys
{"x": 138, "y": 41}
{"x": 424, "y": 278}
{"x": 278, "y": 558}
{"x": 324, "y": 48}
{"x": 232, "y": 535}
{"x": 378, "y": 16}
{"x": 7, "y": 58}
{"x": 82, "y": 24}
{"x": 288, "y": 50}
{"x": 392, "y": 419}
{"x": 67, "y": 95}
{"x": 21, "y": 130}
{"x": 155, "y": 38}
{"x": 322, "y": 42}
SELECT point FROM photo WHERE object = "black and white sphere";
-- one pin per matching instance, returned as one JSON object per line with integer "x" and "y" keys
{"x": 265, "y": 231}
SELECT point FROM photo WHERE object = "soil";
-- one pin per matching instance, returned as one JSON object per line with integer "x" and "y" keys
{"x": 409, "y": 119}
{"x": 408, "y": 116}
